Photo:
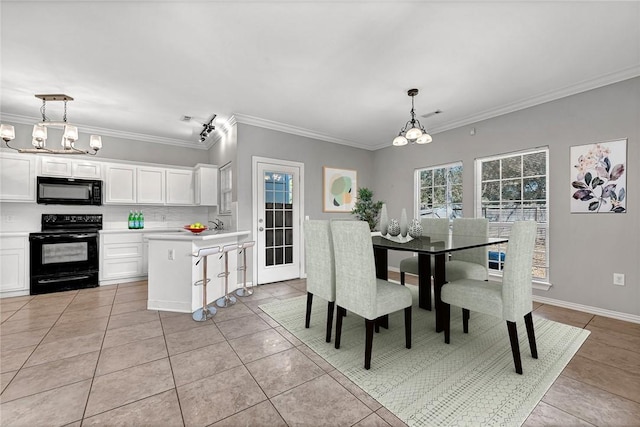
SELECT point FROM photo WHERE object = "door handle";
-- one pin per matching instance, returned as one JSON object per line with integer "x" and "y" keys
{"x": 260, "y": 229}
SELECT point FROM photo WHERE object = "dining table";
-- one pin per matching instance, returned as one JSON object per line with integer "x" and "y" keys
{"x": 436, "y": 246}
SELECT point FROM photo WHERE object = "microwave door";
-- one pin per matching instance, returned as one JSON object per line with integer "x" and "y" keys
{"x": 79, "y": 192}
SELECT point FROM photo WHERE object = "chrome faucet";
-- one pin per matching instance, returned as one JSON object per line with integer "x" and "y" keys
{"x": 217, "y": 224}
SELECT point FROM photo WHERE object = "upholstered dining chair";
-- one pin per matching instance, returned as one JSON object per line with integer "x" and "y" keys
{"x": 430, "y": 227}
{"x": 357, "y": 288}
{"x": 320, "y": 268}
{"x": 509, "y": 300}
{"x": 470, "y": 263}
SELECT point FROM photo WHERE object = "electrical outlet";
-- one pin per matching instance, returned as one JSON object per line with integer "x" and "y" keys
{"x": 171, "y": 255}
{"x": 618, "y": 279}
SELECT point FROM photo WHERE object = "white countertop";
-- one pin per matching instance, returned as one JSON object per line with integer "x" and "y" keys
{"x": 205, "y": 235}
{"x": 144, "y": 230}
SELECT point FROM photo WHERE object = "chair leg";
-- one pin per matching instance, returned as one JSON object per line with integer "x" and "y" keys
{"x": 368, "y": 345}
{"x": 465, "y": 320}
{"x": 330, "y": 307}
{"x": 339, "y": 326}
{"x": 407, "y": 326}
{"x": 446, "y": 320}
{"x": 528, "y": 321}
{"x": 515, "y": 347}
{"x": 402, "y": 278}
{"x": 307, "y": 319}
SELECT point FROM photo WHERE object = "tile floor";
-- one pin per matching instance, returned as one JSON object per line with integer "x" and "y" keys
{"x": 98, "y": 357}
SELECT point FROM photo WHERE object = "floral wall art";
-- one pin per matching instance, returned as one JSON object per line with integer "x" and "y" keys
{"x": 599, "y": 177}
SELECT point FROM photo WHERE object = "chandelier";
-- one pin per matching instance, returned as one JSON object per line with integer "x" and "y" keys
{"x": 39, "y": 134}
{"x": 412, "y": 131}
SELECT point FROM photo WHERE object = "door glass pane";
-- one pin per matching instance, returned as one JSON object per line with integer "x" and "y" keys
{"x": 278, "y": 213}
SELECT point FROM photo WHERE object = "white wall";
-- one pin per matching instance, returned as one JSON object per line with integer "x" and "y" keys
{"x": 585, "y": 249}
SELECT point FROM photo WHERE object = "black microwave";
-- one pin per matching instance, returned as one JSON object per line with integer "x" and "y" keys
{"x": 68, "y": 191}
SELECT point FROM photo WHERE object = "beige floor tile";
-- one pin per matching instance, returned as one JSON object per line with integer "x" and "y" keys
{"x": 133, "y": 295}
{"x": 323, "y": 400}
{"x": 234, "y": 312}
{"x": 132, "y": 318}
{"x": 323, "y": 364}
{"x": 50, "y": 375}
{"x": 5, "y": 315}
{"x": 602, "y": 375}
{"x": 288, "y": 336}
{"x": 64, "y": 348}
{"x": 372, "y": 420}
{"x": 29, "y": 323}
{"x": 545, "y": 415}
{"x": 84, "y": 315}
{"x": 363, "y": 396}
{"x": 240, "y": 327}
{"x": 8, "y": 304}
{"x": 5, "y": 379}
{"x": 283, "y": 371}
{"x": 586, "y": 402}
{"x": 22, "y": 339}
{"x": 180, "y": 342}
{"x": 129, "y": 385}
{"x": 278, "y": 289}
{"x": 70, "y": 330}
{"x": 132, "y": 284}
{"x": 180, "y": 322}
{"x": 390, "y": 418}
{"x": 28, "y": 313}
{"x": 262, "y": 414}
{"x": 563, "y": 315}
{"x": 159, "y": 410}
{"x": 232, "y": 391}
{"x": 203, "y": 362}
{"x": 616, "y": 325}
{"x": 614, "y": 338}
{"x": 127, "y": 334}
{"x": 11, "y": 300}
{"x": 139, "y": 305}
{"x": 135, "y": 353}
{"x": 13, "y": 359}
{"x": 293, "y": 294}
{"x": 254, "y": 304}
{"x": 60, "y": 406}
{"x": 272, "y": 323}
{"x": 614, "y": 356}
{"x": 259, "y": 345}
{"x": 104, "y": 297}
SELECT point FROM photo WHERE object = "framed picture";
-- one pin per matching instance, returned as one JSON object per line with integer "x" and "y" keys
{"x": 599, "y": 177}
{"x": 338, "y": 189}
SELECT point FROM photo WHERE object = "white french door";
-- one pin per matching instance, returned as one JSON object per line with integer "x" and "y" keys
{"x": 277, "y": 220}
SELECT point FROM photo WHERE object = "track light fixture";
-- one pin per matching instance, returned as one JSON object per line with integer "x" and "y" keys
{"x": 207, "y": 128}
{"x": 39, "y": 134}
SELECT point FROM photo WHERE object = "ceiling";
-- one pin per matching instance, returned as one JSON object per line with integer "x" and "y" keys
{"x": 337, "y": 71}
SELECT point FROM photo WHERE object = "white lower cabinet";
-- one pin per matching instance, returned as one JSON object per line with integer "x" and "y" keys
{"x": 121, "y": 258}
{"x": 14, "y": 266}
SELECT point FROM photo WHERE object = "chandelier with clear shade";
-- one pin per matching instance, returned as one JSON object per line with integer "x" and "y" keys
{"x": 413, "y": 131}
{"x": 39, "y": 134}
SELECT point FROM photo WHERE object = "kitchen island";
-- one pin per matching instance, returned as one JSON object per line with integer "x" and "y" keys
{"x": 173, "y": 269}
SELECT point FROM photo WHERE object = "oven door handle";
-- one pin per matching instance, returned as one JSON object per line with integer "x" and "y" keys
{"x": 70, "y": 236}
{"x": 63, "y": 279}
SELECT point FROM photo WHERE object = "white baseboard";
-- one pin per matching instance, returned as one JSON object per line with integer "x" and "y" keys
{"x": 178, "y": 307}
{"x": 589, "y": 309}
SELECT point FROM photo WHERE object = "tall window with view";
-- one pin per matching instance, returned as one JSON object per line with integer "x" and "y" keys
{"x": 514, "y": 187}
{"x": 438, "y": 191}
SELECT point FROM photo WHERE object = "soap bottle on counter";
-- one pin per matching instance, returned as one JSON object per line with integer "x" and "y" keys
{"x": 136, "y": 220}
{"x": 141, "y": 220}
{"x": 131, "y": 223}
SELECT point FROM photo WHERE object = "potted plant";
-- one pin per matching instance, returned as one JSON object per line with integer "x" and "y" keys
{"x": 366, "y": 209}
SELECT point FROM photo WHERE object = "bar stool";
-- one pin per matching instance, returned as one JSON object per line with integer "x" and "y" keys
{"x": 206, "y": 312}
{"x": 227, "y": 299}
{"x": 244, "y": 291}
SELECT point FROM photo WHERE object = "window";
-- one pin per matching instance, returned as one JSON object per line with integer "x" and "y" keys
{"x": 226, "y": 185}
{"x": 439, "y": 191}
{"x": 513, "y": 187}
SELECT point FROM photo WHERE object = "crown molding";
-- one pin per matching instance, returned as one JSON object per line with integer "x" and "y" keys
{"x": 294, "y": 130}
{"x": 25, "y": 120}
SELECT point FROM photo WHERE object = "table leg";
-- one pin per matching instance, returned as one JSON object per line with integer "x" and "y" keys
{"x": 381, "y": 259}
{"x": 424, "y": 281}
{"x": 439, "y": 279}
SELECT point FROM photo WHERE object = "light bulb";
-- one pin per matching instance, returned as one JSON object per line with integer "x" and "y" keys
{"x": 39, "y": 132}
{"x": 66, "y": 143}
{"x": 38, "y": 143}
{"x": 425, "y": 138}
{"x": 400, "y": 140}
{"x": 414, "y": 133}
{"x": 70, "y": 133}
{"x": 7, "y": 132}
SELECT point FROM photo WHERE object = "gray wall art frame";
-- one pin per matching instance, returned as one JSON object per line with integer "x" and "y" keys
{"x": 599, "y": 177}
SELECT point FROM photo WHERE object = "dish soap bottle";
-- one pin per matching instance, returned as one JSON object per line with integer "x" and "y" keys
{"x": 130, "y": 220}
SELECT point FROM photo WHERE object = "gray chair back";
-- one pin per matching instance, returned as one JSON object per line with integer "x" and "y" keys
{"x": 356, "y": 283}
{"x": 435, "y": 226}
{"x": 319, "y": 261}
{"x": 471, "y": 227}
{"x": 516, "y": 275}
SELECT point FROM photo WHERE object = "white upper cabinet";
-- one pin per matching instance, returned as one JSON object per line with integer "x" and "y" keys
{"x": 70, "y": 168}
{"x": 206, "y": 185}
{"x": 180, "y": 188}
{"x": 17, "y": 177}
{"x": 120, "y": 184}
{"x": 151, "y": 185}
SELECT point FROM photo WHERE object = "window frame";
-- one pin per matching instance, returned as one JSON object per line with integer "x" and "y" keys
{"x": 478, "y": 207}
{"x": 417, "y": 186}
{"x": 226, "y": 188}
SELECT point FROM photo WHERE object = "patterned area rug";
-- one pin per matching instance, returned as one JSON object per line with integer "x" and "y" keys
{"x": 470, "y": 382}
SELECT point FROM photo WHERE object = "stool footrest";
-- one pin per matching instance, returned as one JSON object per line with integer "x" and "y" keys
{"x": 200, "y": 281}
